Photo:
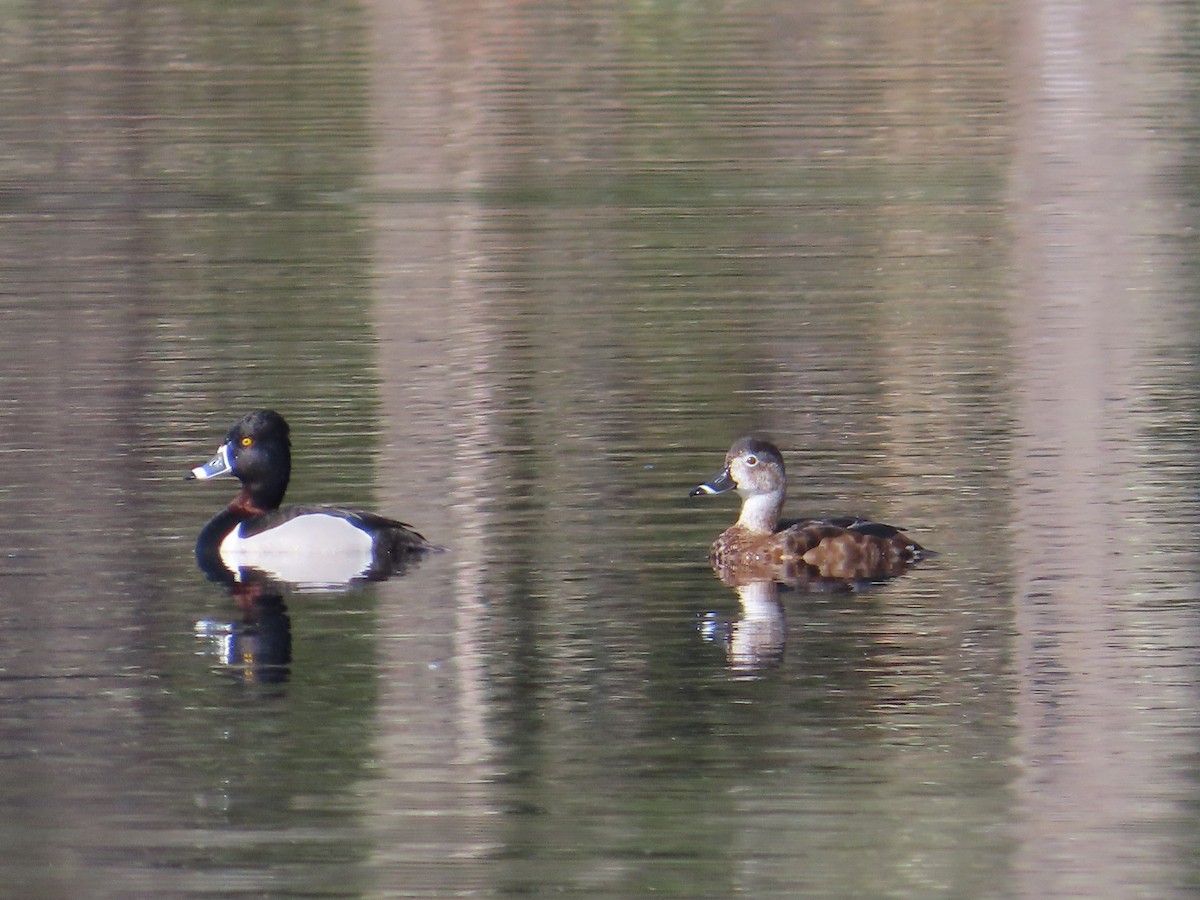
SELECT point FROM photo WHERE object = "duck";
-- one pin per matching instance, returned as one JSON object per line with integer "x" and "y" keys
{"x": 808, "y": 550}
{"x": 314, "y": 547}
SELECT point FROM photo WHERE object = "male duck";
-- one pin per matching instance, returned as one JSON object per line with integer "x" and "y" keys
{"x": 847, "y": 549}
{"x": 310, "y": 546}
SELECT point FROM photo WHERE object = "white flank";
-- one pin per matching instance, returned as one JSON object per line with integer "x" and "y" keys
{"x": 309, "y": 551}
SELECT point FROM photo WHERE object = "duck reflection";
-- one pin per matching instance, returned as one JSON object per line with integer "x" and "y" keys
{"x": 755, "y": 640}
{"x": 258, "y": 647}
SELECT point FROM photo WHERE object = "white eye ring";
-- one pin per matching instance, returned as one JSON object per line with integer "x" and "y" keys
{"x": 752, "y": 460}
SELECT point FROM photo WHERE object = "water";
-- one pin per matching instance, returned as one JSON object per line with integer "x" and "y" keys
{"x": 519, "y": 276}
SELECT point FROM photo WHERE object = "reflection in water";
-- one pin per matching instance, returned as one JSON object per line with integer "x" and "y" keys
{"x": 822, "y": 576}
{"x": 1102, "y": 504}
{"x": 755, "y": 640}
{"x": 501, "y": 257}
{"x": 258, "y": 647}
{"x": 757, "y": 637}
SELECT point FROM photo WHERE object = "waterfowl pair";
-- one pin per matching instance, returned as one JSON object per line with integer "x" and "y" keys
{"x": 312, "y": 546}
{"x": 848, "y": 549}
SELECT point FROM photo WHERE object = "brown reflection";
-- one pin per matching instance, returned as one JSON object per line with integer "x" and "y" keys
{"x": 800, "y": 575}
{"x": 1089, "y": 313}
{"x": 438, "y": 336}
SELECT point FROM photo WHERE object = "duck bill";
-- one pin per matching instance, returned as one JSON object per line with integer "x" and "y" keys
{"x": 721, "y": 484}
{"x": 218, "y": 465}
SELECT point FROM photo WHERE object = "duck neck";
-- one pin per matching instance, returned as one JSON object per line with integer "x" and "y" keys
{"x": 259, "y": 497}
{"x": 208, "y": 544}
{"x": 760, "y": 512}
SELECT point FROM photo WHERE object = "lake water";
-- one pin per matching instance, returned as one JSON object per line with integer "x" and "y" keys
{"x": 519, "y": 275}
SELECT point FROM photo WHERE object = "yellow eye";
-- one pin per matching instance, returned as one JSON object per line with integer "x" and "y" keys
{"x": 247, "y": 441}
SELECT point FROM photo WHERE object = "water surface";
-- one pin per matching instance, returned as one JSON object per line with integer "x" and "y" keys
{"x": 519, "y": 276}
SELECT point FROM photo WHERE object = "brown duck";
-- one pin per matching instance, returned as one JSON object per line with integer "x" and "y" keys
{"x": 849, "y": 549}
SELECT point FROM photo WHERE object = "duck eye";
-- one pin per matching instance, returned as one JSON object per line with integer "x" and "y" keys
{"x": 247, "y": 441}
{"x": 752, "y": 460}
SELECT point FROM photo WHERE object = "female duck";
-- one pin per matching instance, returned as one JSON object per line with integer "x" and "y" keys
{"x": 311, "y": 546}
{"x": 843, "y": 549}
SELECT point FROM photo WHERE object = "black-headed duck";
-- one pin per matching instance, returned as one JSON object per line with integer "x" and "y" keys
{"x": 307, "y": 545}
